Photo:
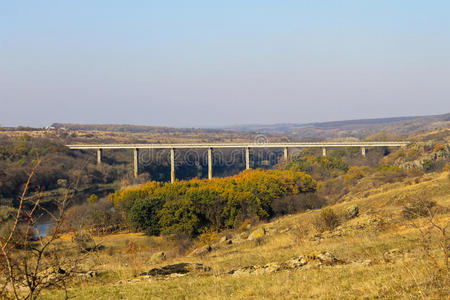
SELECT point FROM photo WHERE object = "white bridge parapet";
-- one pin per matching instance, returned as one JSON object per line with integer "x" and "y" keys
{"x": 238, "y": 145}
{"x": 246, "y": 146}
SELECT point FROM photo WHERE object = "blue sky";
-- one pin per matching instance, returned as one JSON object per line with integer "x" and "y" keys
{"x": 218, "y": 63}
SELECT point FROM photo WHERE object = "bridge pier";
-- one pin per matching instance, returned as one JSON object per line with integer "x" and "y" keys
{"x": 363, "y": 151}
{"x": 324, "y": 151}
{"x": 172, "y": 165}
{"x": 99, "y": 156}
{"x": 247, "y": 158}
{"x": 210, "y": 173}
{"x": 136, "y": 162}
{"x": 285, "y": 154}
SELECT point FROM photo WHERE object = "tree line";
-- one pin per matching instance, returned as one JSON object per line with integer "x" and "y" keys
{"x": 193, "y": 206}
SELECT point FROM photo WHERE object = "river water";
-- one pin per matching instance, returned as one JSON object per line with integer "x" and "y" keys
{"x": 43, "y": 228}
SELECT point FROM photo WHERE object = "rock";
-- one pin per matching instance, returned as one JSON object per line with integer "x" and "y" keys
{"x": 327, "y": 258}
{"x": 295, "y": 262}
{"x": 312, "y": 261}
{"x": 226, "y": 239}
{"x": 62, "y": 183}
{"x": 367, "y": 262}
{"x": 223, "y": 239}
{"x": 352, "y": 211}
{"x": 202, "y": 251}
{"x": 243, "y": 235}
{"x": 258, "y": 233}
{"x": 91, "y": 274}
{"x": 392, "y": 254}
{"x": 272, "y": 267}
{"x": 244, "y": 270}
{"x": 88, "y": 274}
{"x": 180, "y": 268}
{"x": 158, "y": 257}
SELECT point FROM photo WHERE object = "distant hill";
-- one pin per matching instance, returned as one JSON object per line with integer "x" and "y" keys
{"x": 130, "y": 128}
{"x": 360, "y": 129}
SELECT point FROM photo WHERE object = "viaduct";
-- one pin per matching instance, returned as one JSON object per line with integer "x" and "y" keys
{"x": 210, "y": 147}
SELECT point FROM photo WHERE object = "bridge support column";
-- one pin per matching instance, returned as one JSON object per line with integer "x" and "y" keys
{"x": 172, "y": 165}
{"x": 324, "y": 151}
{"x": 210, "y": 163}
{"x": 363, "y": 151}
{"x": 136, "y": 162}
{"x": 285, "y": 153}
{"x": 99, "y": 156}
{"x": 247, "y": 158}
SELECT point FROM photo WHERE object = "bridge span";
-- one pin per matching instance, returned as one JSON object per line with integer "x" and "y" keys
{"x": 210, "y": 146}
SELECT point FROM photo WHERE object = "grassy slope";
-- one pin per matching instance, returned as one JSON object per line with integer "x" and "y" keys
{"x": 410, "y": 274}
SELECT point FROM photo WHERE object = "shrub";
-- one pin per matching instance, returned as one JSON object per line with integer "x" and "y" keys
{"x": 245, "y": 225}
{"x": 446, "y": 168}
{"x": 355, "y": 173}
{"x": 438, "y": 147}
{"x": 207, "y": 238}
{"x": 99, "y": 217}
{"x": 418, "y": 208}
{"x": 327, "y": 220}
{"x": 84, "y": 241}
{"x": 427, "y": 164}
{"x": 319, "y": 167}
{"x": 92, "y": 198}
{"x": 143, "y": 215}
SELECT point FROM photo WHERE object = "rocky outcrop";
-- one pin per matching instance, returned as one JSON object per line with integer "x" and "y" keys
{"x": 366, "y": 221}
{"x": 180, "y": 268}
{"x": 352, "y": 211}
{"x": 323, "y": 258}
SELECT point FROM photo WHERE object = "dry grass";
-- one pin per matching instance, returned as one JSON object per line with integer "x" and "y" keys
{"x": 411, "y": 274}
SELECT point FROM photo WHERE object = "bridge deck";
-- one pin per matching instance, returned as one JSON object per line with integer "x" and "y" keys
{"x": 238, "y": 145}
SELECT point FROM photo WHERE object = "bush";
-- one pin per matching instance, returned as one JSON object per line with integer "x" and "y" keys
{"x": 427, "y": 165}
{"x": 446, "y": 168}
{"x": 327, "y": 220}
{"x": 143, "y": 215}
{"x": 207, "y": 238}
{"x": 99, "y": 217}
{"x": 84, "y": 241}
{"x": 418, "y": 208}
{"x": 320, "y": 167}
{"x": 92, "y": 198}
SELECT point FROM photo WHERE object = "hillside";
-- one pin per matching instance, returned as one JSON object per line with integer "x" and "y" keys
{"x": 377, "y": 254}
{"x": 337, "y": 226}
{"x": 359, "y": 129}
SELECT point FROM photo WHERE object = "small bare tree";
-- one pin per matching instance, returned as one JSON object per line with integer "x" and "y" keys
{"x": 31, "y": 262}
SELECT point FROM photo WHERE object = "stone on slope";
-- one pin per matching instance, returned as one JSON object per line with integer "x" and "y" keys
{"x": 258, "y": 233}
{"x": 180, "y": 268}
{"x": 158, "y": 257}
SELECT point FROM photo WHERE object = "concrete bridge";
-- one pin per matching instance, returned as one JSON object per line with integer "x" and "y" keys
{"x": 210, "y": 146}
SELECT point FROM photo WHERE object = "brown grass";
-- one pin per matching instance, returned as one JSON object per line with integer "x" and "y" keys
{"x": 379, "y": 229}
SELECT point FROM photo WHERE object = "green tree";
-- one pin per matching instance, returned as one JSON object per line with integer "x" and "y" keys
{"x": 143, "y": 215}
